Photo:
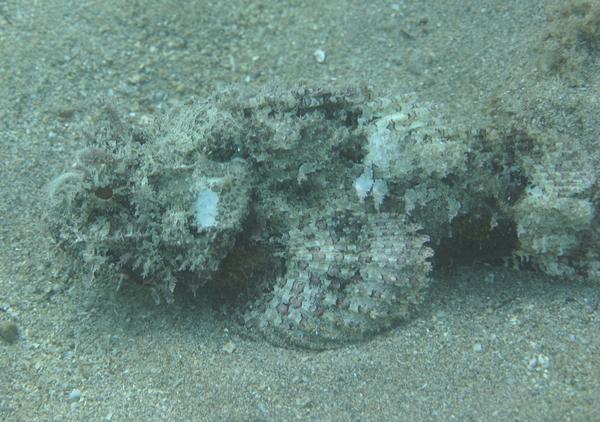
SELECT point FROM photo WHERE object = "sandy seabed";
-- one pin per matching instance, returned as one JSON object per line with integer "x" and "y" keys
{"x": 492, "y": 343}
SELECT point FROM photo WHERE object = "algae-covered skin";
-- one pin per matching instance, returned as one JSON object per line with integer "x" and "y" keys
{"x": 128, "y": 207}
{"x": 315, "y": 211}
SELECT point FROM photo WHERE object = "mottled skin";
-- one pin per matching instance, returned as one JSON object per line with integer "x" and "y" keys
{"x": 348, "y": 276}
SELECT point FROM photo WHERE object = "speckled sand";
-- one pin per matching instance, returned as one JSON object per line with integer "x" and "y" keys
{"x": 491, "y": 344}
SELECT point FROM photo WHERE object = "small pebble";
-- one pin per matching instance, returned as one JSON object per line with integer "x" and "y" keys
{"x": 477, "y": 347}
{"x": 228, "y": 347}
{"x": 74, "y": 396}
{"x": 9, "y": 332}
{"x": 533, "y": 363}
{"x": 540, "y": 361}
{"x": 319, "y": 55}
{"x": 544, "y": 361}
